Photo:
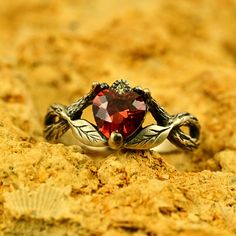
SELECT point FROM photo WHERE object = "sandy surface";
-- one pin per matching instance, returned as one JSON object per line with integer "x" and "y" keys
{"x": 51, "y": 51}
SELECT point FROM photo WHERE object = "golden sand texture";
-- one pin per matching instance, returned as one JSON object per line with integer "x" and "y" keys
{"x": 183, "y": 51}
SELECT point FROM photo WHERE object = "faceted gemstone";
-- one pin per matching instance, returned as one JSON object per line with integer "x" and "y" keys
{"x": 122, "y": 113}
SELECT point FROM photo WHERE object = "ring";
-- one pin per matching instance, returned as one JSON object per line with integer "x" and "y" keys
{"x": 119, "y": 111}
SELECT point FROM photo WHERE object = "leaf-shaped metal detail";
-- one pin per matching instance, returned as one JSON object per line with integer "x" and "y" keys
{"x": 149, "y": 137}
{"x": 86, "y": 133}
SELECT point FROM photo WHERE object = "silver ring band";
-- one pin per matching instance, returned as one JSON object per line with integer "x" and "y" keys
{"x": 59, "y": 119}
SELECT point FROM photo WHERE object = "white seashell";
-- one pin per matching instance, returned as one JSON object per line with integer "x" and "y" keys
{"x": 47, "y": 202}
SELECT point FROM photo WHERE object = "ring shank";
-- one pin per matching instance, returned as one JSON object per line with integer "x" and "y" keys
{"x": 59, "y": 119}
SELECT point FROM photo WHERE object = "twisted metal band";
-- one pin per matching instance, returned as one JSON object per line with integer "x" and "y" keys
{"x": 59, "y": 119}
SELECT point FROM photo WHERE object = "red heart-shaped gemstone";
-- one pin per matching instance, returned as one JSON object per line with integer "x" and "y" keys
{"x": 122, "y": 113}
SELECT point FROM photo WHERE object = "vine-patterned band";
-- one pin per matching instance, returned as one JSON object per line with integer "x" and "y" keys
{"x": 60, "y": 119}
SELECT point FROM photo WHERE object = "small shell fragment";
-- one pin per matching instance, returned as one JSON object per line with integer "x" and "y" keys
{"x": 47, "y": 202}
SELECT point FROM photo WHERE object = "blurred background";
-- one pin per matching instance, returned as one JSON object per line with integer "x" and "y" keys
{"x": 183, "y": 51}
{"x": 52, "y": 50}
{"x": 60, "y": 47}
